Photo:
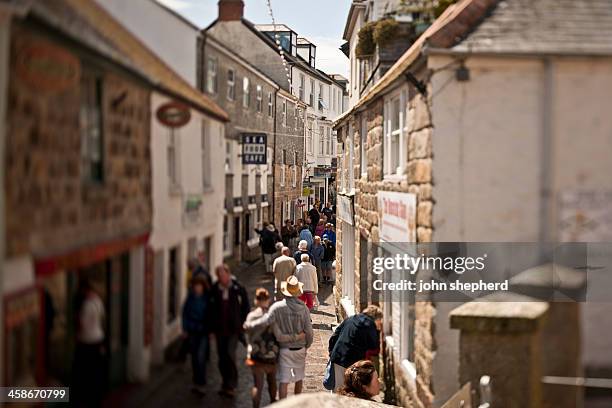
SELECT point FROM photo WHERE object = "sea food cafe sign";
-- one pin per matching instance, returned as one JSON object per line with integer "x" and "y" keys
{"x": 254, "y": 148}
{"x": 173, "y": 114}
{"x": 397, "y": 216}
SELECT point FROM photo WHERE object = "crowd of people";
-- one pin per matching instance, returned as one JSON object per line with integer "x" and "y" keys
{"x": 278, "y": 331}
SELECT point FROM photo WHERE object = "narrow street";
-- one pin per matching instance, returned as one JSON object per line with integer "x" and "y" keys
{"x": 170, "y": 385}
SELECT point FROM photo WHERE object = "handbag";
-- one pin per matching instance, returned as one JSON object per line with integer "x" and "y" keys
{"x": 329, "y": 379}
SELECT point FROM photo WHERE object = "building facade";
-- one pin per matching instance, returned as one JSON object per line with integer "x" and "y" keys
{"x": 461, "y": 97}
{"x": 187, "y": 172}
{"x": 250, "y": 98}
{"x": 67, "y": 177}
{"x": 298, "y": 77}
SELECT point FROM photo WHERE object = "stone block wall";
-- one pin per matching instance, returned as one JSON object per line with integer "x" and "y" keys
{"x": 49, "y": 208}
{"x": 418, "y": 180}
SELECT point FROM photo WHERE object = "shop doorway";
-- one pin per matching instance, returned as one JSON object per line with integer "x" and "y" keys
{"x": 110, "y": 279}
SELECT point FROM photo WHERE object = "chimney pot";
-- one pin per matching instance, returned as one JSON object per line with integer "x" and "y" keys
{"x": 231, "y": 10}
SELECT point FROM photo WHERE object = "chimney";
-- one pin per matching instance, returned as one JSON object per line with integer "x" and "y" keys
{"x": 231, "y": 10}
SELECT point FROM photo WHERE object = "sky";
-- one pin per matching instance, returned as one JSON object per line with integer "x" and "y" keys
{"x": 320, "y": 21}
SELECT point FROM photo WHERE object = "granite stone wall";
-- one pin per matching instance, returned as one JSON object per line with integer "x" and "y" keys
{"x": 50, "y": 209}
{"x": 418, "y": 180}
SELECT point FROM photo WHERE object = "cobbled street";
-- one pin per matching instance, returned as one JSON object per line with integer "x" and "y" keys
{"x": 172, "y": 387}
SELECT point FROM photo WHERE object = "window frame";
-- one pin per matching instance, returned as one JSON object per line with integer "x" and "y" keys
{"x": 321, "y": 150}
{"x": 92, "y": 110}
{"x": 231, "y": 85}
{"x": 401, "y": 133}
{"x": 270, "y": 105}
{"x": 212, "y": 68}
{"x": 246, "y": 92}
{"x": 363, "y": 163}
{"x": 259, "y": 98}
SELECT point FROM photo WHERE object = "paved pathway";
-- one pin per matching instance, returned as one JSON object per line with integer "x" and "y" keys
{"x": 170, "y": 385}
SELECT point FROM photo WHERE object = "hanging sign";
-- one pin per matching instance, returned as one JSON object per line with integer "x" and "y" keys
{"x": 254, "y": 148}
{"x": 173, "y": 114}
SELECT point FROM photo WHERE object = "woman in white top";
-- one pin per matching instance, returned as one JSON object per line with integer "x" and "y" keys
{"x": 89, "y": 366}
{"x": 307, "y": 274}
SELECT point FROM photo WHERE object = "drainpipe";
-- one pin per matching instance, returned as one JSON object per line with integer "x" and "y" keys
{"x": 546, "y": 147}
{"x": 274, "y": 162}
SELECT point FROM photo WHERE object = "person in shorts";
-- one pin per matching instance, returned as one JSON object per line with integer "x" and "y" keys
{"x": 289, "y": 318}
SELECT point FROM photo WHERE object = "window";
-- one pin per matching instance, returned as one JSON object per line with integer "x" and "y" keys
{"x": 284, "y": 162}
{"x": 206, "y": 171}
{"x": 92, "y": 168}
{"x": 259, "y": 97}
{"x": 294, "y": 176}
{"x": 246, "y": 92}
{"x": 211, "y": 75}
{"x": 321, "y": 140}
{"x": 394, "y": 149}
{"x": 321, "y": 89}
{"x": 282, "y": 175}
{"x": 228, "y": 157}
{"x": 362, "y": 146}
{"x": 309, "y": 137}
{"x": 295, "y": 158}
{"x": 302, "y": 85}
{"x": 270, "y": 105}
{"x": 231, "y": 85}
{"x": 226, "y": 236}
{"x": 172, "y": 158}
{"x": 311, "y": 98}
{"x": 173, "y": 284}
{"x": 334, "y": 105}
{"x": 329, "y": 142}
{"x": 296, "y": 117}
{"x": 284, "y": 112}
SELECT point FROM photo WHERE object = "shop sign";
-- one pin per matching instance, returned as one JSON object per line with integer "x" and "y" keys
{"x": 173, "y": 114}
{"x": 254, "y": 148}
{"x": 47, "y": 68}
{"x": 344, "y": 207}
{"x": 192, "y": 213}
{"x": 397, "y": 216}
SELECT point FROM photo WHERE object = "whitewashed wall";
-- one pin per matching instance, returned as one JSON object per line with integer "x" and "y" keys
{"x": 168, "y": 35}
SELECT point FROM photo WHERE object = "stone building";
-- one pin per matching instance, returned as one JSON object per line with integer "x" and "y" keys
{"x": 187, "y": 172}
{"x": 473, "y": 130}
{"x": 271, "y": 109}
{"x": 258, "y": 45}
{"x": 78, "y": 186}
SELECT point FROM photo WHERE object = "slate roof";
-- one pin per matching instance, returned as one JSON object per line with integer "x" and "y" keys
{"x": 544, "y": 27}
{"x": 89, "y": 24}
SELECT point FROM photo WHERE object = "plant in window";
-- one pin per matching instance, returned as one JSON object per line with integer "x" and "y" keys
{"x": 365, "y": 42}
{"x": 384, "y": 31}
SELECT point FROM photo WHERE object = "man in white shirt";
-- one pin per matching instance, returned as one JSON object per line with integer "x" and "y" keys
{"x": 307, "y": 274}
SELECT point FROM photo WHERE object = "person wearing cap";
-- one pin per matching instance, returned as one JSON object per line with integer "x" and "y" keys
{"x": 288, "y": 317}
{"x": 262, "y": 349}
{"x": 307, "y": 275}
